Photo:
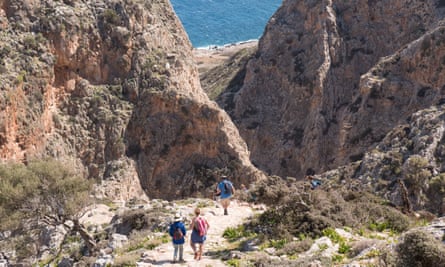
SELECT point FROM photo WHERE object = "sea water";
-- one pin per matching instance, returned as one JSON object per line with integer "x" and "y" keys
{"x": 210, "y": 23}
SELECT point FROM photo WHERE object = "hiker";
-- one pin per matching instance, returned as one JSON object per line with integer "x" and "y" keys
{"x": 177, "y": 231}
{"x": 199, "y": 227}
{"x": 314, "y": 182}
{"x": 225, "y": 190}
{"x": 244, "y": 188}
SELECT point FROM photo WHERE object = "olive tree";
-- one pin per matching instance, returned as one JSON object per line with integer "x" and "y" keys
{"x": 40, "y": 194}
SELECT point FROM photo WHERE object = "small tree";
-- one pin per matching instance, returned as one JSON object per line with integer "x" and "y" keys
{"x": 436, "y": 194}
{"x": 40, "y": 194}
{"x": 417, "y": 175}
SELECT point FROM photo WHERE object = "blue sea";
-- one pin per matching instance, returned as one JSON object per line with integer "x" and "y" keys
{"x": 219, "y": 22}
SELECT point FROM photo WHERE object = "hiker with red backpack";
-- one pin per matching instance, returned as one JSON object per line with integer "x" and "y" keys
{"x": 177, "y": 231}
{"x": 225, "y": 190}
{"x": 199, "y": 227}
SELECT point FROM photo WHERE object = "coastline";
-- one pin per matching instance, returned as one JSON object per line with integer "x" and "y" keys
{"x": 207, "y": 58}
{"x": 218, "y": 47}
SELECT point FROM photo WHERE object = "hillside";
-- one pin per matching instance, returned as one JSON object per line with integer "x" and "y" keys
{"x": 331, "y": 78}
{"x": 351, "y": 92}
{"x": 112, "y": 88}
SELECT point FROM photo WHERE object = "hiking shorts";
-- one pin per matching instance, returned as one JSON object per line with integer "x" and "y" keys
{"x": 196, "y": 238}
{"x": 225, "y": 201}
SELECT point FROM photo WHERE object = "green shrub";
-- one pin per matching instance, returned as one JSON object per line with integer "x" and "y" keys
{"x": 337, "y": 258}
{"x": 39, "y": 194}
{"x": 378, "y": 226}
{"x": 420, "y": 249}
{"x": 42, "y": 187}
{"x": 436, "y": 193}
{"x": 278, "y": 244}
{"x": 416, "y": 173}
{"x": 344, "y": 248}
{"x": 234, "y": 233}
{"x": 234, "y": 262}
{"x": 111, "y": 17}
{"x": 333, "y": 235}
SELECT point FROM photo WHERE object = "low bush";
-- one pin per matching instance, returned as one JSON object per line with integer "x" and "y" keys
{"x": 420, "y": 249}
{"x": 309, "y": 212}
{"x": 359, "y": 246}
{"x": 296, "y": 247}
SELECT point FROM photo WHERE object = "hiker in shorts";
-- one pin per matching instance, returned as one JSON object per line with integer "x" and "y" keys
{"x": 177, "y": 231}
{"x": 199, "y": 227}
{"x": 225, "y": 190}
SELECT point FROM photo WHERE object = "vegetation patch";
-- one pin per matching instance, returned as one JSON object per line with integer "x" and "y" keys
{"x": 420, "y": 249}
{"x": 314, "y": 213}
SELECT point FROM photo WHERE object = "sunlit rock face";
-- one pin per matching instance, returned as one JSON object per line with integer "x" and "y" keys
{"x": 111, "y": 87}
{"x": 331, "y": 78}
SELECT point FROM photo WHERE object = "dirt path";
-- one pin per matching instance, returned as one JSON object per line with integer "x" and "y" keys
{"x": 238, "y": 213}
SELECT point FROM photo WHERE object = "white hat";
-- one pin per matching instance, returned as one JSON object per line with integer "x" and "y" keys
{"x": 178, "y": 217}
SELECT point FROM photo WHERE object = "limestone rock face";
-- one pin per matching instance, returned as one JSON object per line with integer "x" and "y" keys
{"x": 111, "y": 87}
{"x": 330, "y": 78}
{"x": 413, "y": 153}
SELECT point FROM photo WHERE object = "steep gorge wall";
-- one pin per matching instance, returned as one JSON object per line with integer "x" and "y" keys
{"x": 306, "y": 103}
{"x": 112, "y": 87}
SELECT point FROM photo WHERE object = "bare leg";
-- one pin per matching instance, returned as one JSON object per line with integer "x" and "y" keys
{"x": 201, "y": 245}
{"x": 225, "y": 203}
{"x": 193, "y": 245}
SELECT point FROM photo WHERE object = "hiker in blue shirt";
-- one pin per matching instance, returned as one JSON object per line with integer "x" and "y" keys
{"x": 225, "y": 190}
{"x": 314, "y": 182}
{"x": 177, "y": 231}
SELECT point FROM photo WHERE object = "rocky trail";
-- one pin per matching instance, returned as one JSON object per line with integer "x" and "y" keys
{"x": 239, "y": 212}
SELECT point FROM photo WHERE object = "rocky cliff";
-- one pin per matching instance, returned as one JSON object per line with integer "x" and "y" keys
{"x": 111, "y": 87}
{"x": 331, "y": 78}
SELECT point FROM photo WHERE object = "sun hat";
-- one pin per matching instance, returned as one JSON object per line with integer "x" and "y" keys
{"x": 177, "y": 217}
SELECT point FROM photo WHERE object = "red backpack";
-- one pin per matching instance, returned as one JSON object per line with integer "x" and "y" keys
{"x": 177, "y": 234}
{"x": 200, "y": 226}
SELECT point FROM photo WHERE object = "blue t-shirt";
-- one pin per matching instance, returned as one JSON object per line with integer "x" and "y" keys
{"x": 221, "y": 188}
{"x": 315, "y": 183}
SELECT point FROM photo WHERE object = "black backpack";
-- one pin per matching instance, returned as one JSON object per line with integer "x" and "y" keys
{"x": 227, "y": 188}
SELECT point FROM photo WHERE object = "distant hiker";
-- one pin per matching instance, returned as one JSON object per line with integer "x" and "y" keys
{"x": 225, "y": 190}
{"x": 244, "y": 188}
{"x": 314, "y": 182}
{"x": 177, "y": 232}
{"x": 199, "y": 227}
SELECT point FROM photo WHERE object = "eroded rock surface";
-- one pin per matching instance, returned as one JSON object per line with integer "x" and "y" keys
{"x": 111, "y": 87}
{"x": 331, "y": 78}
